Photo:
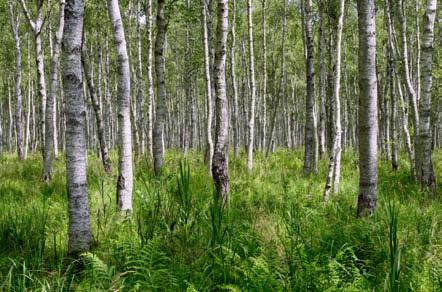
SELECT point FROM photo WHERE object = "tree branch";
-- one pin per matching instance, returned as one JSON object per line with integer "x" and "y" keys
{"x": 28, "y": 16}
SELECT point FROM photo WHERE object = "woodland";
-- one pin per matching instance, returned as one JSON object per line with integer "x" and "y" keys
{"x": 220, "y": 145}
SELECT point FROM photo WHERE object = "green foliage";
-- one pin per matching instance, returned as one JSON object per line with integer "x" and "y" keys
{"x": 276, "y": 234}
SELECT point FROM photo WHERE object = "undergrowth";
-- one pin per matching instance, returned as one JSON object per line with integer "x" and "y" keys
{"x": 276, "y": 234}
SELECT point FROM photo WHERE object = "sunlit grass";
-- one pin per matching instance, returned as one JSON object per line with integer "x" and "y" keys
{"x": 276, "y": 234}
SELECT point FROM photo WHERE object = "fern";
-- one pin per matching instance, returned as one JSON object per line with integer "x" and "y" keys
{"x": 97, "y": 273}
{"x": 148, "y": 267}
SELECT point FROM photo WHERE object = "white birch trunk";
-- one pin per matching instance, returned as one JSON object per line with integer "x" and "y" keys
{"x": 424, "y": 163}
{"x": 334, "y": 171}
{"x": 125, "y": 173}
{"x": 251, "y": 124}
{"x": 208, "y": 82}
{"x": 79, "y": 222}
{"x": 220, "y": 170}
{"x": 310, "y": 156}
{"x": 50, "y": 131}
{"x": 18, "y": 78}
{"x": 368, "y": 117}
{"x": 158, "y": 142}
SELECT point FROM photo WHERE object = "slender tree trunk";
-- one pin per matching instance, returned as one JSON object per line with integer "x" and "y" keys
{"x": 79, "y": 222}
{"x": 208, "y": 80}
{"x": 424, "y": 163}
{"x": 98, "y": 116}
{"x": 28, "y": 109}
{"x": 140, "y": 89}
{"x": 418, "y": 52}
{"x": 125, "y": 173}
{"x": 393, "y": 117}
{"x": 392, "y": 74}
{"x": 404, "y": 111}
{"x": 158, "y": 143}
{"x": 220, "y": 171}
{"x": 405, "y": 63}
{"x": 150, "y": 90}
{"x": 251, "y": 123}
{"x": 310, "y": 157}
{"x": 322, "y": 81}
{"x": 234, "y": 84}
{"x": 334, "y": 170}
{"x": 18, "y": 78}
{"x": 279, "y": 93}
{"x": 368, "y": 119}
{"x": 49, "y": 145}
{"x": 36, "y": 27}
{"x": 11, "y": 121}
{"x": 265, "y": 76}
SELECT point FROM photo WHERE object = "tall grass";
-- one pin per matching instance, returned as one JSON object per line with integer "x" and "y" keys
{"x": 275, "y": 235}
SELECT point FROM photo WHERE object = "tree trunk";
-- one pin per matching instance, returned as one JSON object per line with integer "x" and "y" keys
{"x": 310, "y": 157}
{"x": 424, "y": 164}
{"x": 140, "y": 89}
{"x": 79, "y": 222}
{"x": 334, "y": 170}
{"x": 158, "y": 143}
{"x": 208, "y": 81}
{"x": 405, "y": 63}
{"x": 150, "y": 91}
{"x": 322, "y": 81}
{"x": 98, "y": 116}
{"x": 11, "y": 121}
{"x": 265, "y": 76}
{"x": 234, "y": 84}
{"x": 49, "y": 145}
{"x": 368, "y": 119}
{"x": 18, "y": 78}
{"x": 36, "y": 27}
{"x": 220, "y": 171}
{"x": 251, "y": 122}
{"x": 125, "y": 174}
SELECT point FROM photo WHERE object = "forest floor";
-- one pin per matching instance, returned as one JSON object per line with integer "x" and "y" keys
{"x": 276, "y": 233}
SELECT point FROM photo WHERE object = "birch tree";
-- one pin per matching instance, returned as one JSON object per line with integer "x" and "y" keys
{"x": 368, "y": 118}
{"x": 150, "y": 91}
{"x": 424, "y": 164}
{"x": 310, "y": 156}
{"x": 125, "y": 173}
{"x": 79, "y": 222}
{"x": 49, "y": 145}
{"x": 160, "y": 118}
{"x": 251, "y": 123}
{"x": 235, "y": 113}
{"x": 15, "y": 22}
{"x": 208, "y": 85}
{"x": 405, "y": 64}
{"x": 97, "y": 109}
{"x": 220, "y": 170}
{"x": 334, "y": 170}
{"x": 36, "y": 28}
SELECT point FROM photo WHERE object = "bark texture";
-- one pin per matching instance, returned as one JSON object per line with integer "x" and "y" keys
{"x": 150, "y": 91}
{"x": 251, "y": 124}
{"x": 208, "y": 83}
{"x": 220, "y": 171}
{"x": 49, "y": 146}
{"x": 160, "y": 119}
{"x": 125, "y": 173}
{"x": 368, "y": 117}
{"x": 424, "y": 163}
{"x": 79, "y": 222}
{"x": 334, "y": 170}
{"x": 310, "y": 156}
{"x": 18, "y": 80}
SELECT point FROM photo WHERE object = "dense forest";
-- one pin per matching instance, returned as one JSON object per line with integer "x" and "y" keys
{"x": 220, "y": 145}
